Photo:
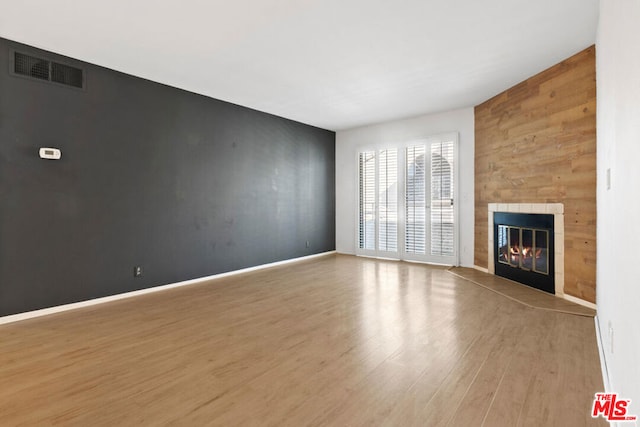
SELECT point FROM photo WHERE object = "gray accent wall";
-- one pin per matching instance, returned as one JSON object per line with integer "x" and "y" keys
{"x": 183, "y": 185}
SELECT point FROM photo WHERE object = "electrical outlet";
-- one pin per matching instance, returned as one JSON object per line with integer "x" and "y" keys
{"x": 307, "y": 243}
{"x": 137, "y": 271}
{"x": 608, "y": 179}
{"x": 611, "y": 338}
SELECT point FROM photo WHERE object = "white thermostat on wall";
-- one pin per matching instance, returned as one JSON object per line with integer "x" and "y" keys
{"x": 50, "y": 153}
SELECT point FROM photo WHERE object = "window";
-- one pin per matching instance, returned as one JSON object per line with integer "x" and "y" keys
{"x": 417, "y": 180}
{"x": 388, "y": 201}
{"x": 367, "y": 173}
{"x": 378, "y": 201}
{"x": 416, "y": 201}
{"x": 442, "y": 213}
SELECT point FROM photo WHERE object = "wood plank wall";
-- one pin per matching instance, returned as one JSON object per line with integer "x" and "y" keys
{"x": 536, "y": 143}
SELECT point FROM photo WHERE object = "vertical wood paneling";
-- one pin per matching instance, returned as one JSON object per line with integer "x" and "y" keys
{"x": 536, "y": 143}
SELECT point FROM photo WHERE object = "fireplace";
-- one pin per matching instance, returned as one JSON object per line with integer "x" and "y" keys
{"x": 524, "y": 248}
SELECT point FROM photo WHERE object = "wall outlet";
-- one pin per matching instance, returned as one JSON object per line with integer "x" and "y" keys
{"x": 608, "y": 179}
{"x": 137, "y": 271}
{"x": 307, "y": 243}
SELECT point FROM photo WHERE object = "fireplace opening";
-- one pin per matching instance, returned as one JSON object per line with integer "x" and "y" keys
{"x": 523, "y": 249}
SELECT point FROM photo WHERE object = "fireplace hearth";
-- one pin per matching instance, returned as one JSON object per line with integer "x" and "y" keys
{"x": 524, "y": 248}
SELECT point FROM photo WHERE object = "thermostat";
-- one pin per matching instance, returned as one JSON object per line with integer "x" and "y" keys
{"x": 50, "y": 153}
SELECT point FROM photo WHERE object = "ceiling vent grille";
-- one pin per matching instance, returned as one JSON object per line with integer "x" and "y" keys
{"x": 43, "y": 69}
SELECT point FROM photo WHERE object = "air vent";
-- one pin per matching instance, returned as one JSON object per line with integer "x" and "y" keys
{"x": 42, "y": 69}
{"x": 66, "y": 75}
{"x": 26, "y": 65}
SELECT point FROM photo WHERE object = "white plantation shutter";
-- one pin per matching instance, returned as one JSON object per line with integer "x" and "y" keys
{"x": 442, "y": 188}
{"x": 415, "y": 200}
{"x": 388, "y": 200}
{"x": 367, "y": 208}
{"x": 406, "y": 201}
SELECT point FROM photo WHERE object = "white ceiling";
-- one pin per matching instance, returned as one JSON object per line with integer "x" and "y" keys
{"x": 335, "y": 64}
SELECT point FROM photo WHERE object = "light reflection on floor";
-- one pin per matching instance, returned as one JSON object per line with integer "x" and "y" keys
{"x": 398, "y": 300}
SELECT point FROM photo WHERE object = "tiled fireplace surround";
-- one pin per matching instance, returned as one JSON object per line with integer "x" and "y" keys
{"x": 557, "y": 210}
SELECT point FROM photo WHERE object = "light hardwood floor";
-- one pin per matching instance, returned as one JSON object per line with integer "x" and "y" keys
{"x": 526, "y": 295}
{"x": 338, "y": 340}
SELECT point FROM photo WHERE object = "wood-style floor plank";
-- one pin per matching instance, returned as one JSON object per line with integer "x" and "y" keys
{"x": 524, "y": 294}
{"x": 338, "y": 340}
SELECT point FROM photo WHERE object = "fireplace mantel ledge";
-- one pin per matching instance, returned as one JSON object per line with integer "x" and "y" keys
{"x": 534, "y": 208}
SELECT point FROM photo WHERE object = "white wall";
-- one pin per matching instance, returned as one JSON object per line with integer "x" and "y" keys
{"x": 618, "y": 123}
{"x": 349, "y": 141}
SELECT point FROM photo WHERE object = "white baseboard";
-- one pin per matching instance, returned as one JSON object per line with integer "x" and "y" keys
{"x": 96, "y": 301}
{"x": 484, "y": 270}
{"x": 340, "y": 252}
{"x": 603, "y": 360}
{"x": 580, "y": 301}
